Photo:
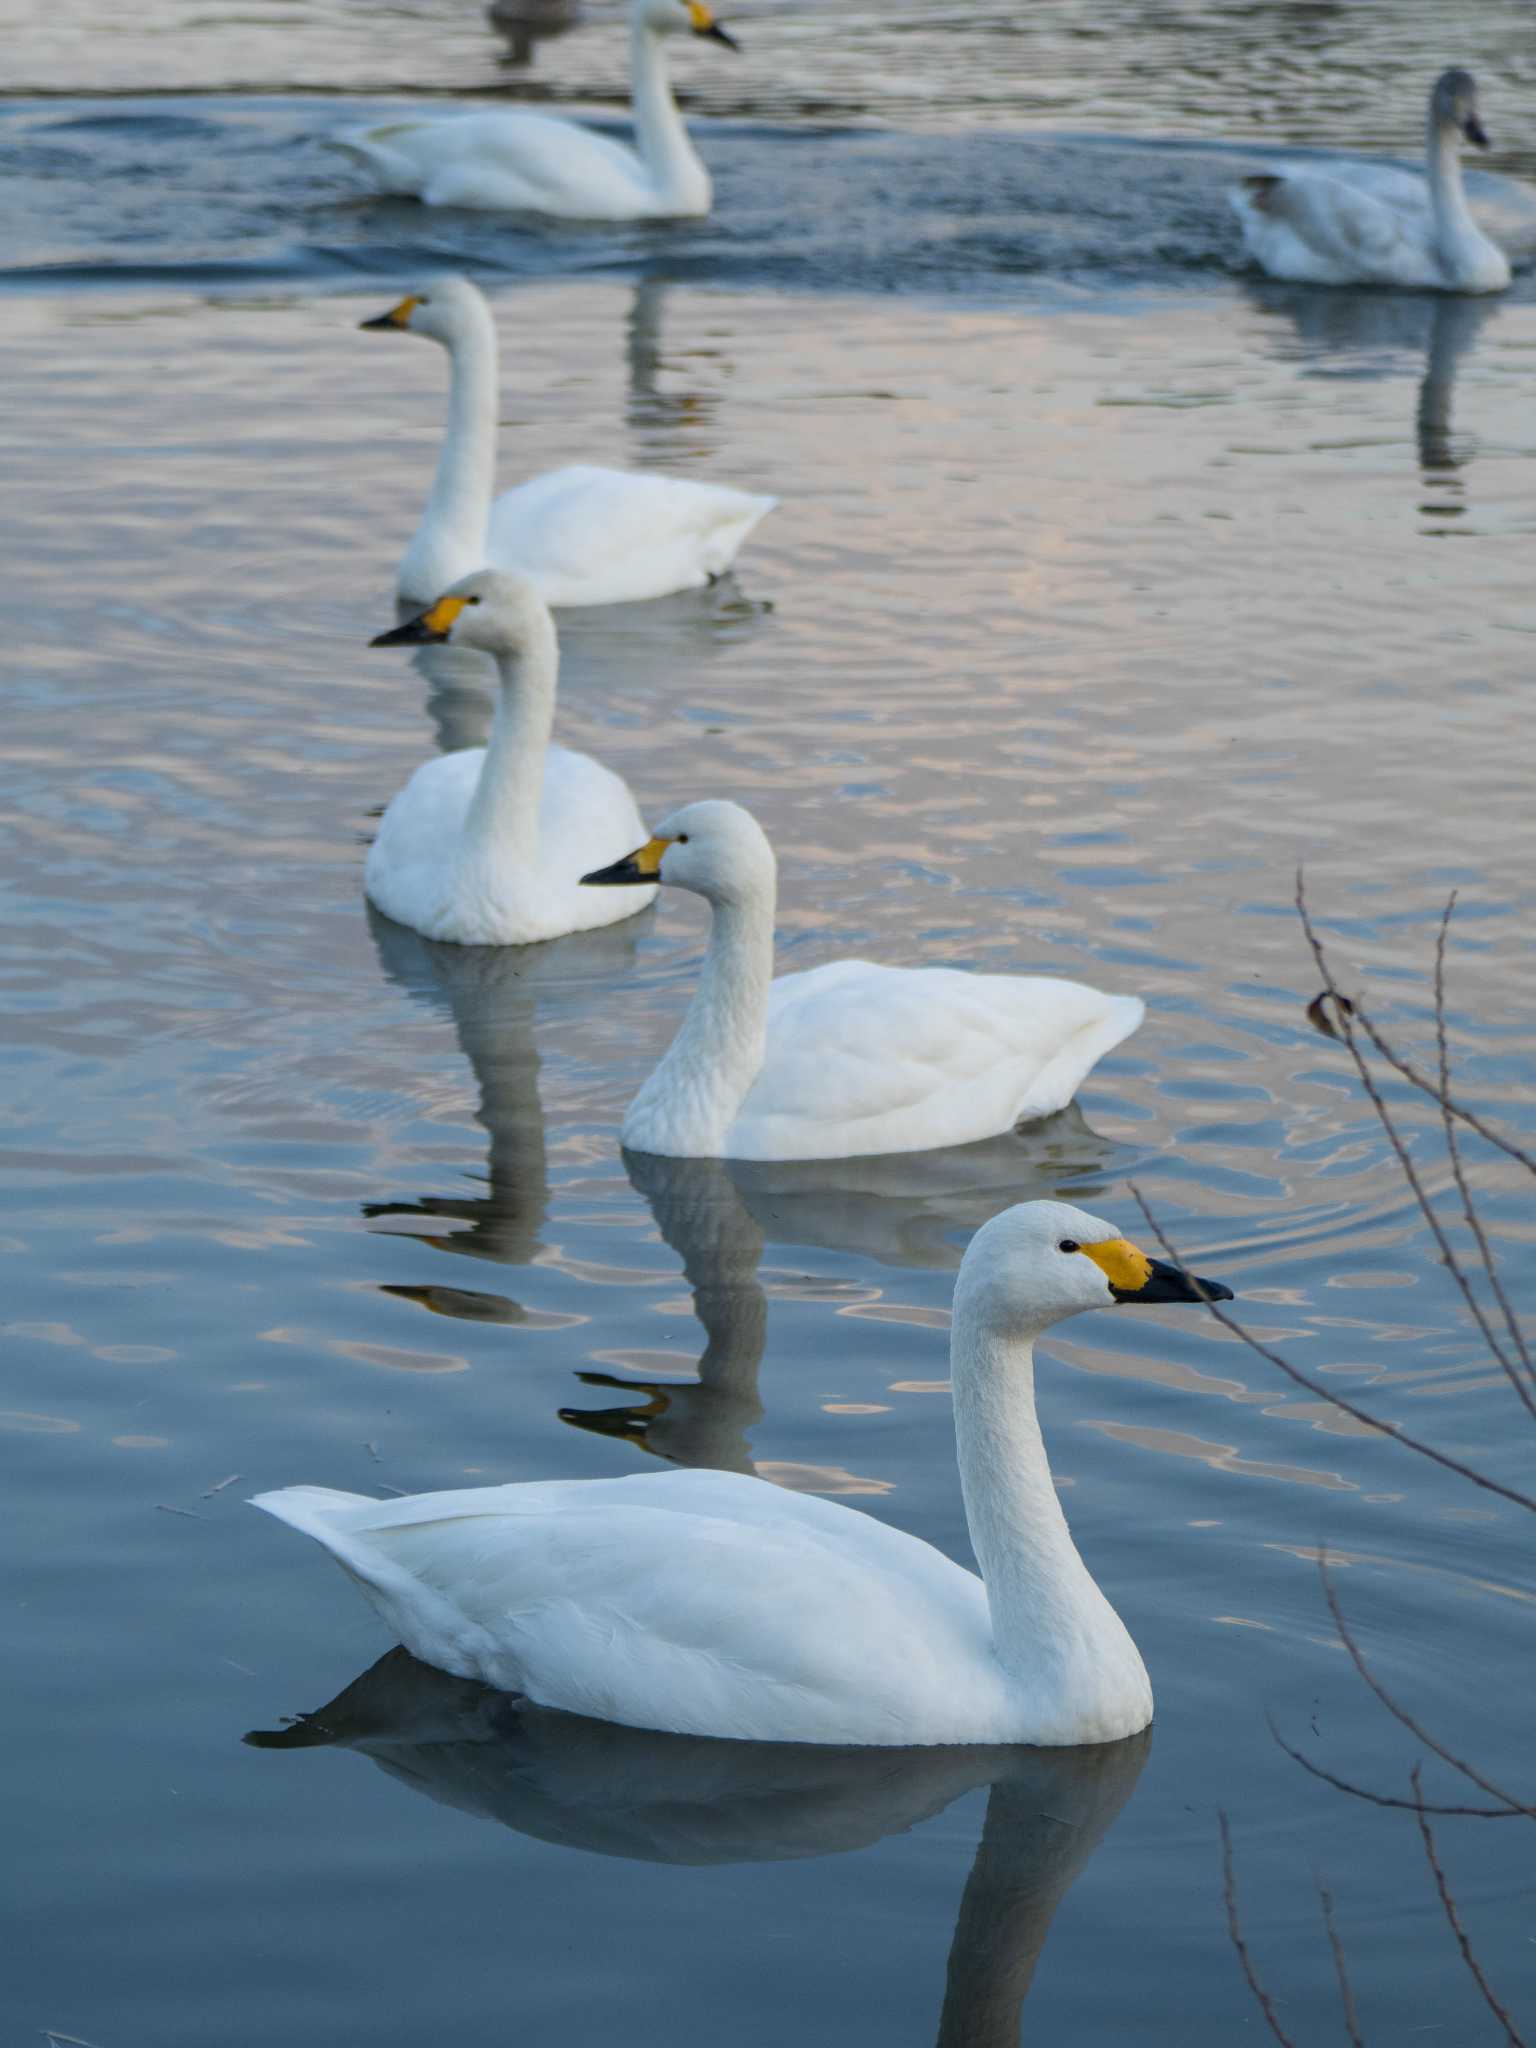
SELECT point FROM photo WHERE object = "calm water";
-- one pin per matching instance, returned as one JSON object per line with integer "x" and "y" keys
{"x": 1108, "y": 585}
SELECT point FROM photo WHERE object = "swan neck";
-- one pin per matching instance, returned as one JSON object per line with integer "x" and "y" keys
{"x": 1446, "y": 192}
{"x": 688, "y": 1105}
{"x": 450, "y": 542}
{"x": 681, "y": 182}
{"x": 503, "y": 819}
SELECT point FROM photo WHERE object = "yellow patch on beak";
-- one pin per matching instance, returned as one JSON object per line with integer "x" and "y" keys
{"x": 647, "y": 861}
{"x": 702, "y": 17}
{"x": 1123, "y": 1264}
{"x": 442, "y": 615}
{"x": 400, "y": 316}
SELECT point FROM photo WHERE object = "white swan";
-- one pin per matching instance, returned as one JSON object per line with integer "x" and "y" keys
{"x": 485, "y": 846}
{"x": 848, "y": 1059}
{"x": 531, "y": 163}
{"x": 708, "y": 1603}
{"x": 1373, "y": 224}
{"x": 584, "y": 535}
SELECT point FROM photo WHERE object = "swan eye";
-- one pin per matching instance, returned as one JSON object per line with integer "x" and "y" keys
{"x": 682, "y": 838}
{"x": 1069, "y": 1244}
{"x": 471, "y": 600}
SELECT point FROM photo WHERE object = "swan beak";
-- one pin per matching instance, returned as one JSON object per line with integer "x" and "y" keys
{"x": 426, "y": 629}
{"x": 644, "y": 865}
{"x": 1475, "y": 132}
{"x": 397, "y": 316}
{"x": 1132, "y": 1276}
{"x": 705, "y": 25}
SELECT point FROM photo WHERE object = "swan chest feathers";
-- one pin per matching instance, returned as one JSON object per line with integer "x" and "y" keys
{"x": 425, "y": 869}
{"x": 696, "y": 1603}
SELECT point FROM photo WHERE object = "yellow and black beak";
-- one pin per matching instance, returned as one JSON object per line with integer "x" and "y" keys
{"x": 426, "y": 629}
{"x": 397, "y": 316}
{"x": 1475, "y": 132}
{"x": 643, "y": 865}
{"x": 705, "y": 25}
{"x": 1132, "y": 1276}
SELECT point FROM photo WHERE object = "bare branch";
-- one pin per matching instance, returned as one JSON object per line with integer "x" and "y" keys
{"x": 1514, "y": 2039}
{"x": 1385, "y": 1798}
{"x": 1346, "y": 1990}
{"x": 1235, "y": 1929}
{"x": 1350, "y": 1017}
{"x": 1453, "y": 1151}
{"x": 1328, "y": 1394}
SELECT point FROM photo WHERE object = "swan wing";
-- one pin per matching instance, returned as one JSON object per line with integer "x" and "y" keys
{"x": 503, "y": 161}
{"x": 1317, "y": 228}
{"x": 610, "y": 536}
{"x": 696, "y": 1602}
{"x": 869, "y": 1059}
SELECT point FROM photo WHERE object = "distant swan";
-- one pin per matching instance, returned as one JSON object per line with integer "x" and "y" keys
{"x": 485, "y": 846}
{"x": 1372, "y": 224}
{"x": 583, "y": 535}
{"x": 708, "y": 1603}
{"x": 533, "y": 163}
{"x": 847, "y": 1059}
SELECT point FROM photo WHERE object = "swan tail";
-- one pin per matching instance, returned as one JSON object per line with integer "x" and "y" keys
{"x": 741, "y": 520}
{"x": 1262, "y": 191}
{"x": 392, "y": 169}
{"x": 1054, "y": 1086}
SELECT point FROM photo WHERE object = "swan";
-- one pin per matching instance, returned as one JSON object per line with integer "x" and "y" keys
{"x": 1372, "y": 224}
{"x": 532, "y": 163}
{"x": 483, "y": 847}
{"x": 584, "y": 535}
{"x": 848, "y": 1059}
{"x": 711, "y": 1603}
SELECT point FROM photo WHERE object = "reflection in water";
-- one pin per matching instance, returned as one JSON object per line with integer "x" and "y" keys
{"x": 685, "y": 1800}
{"x": 1367, "y": 334}
{"x": 651, "y": 407}
{"x": 902, "y": 1209}
{"x": 492, "y": 994}
{"x": 522, "y": 24}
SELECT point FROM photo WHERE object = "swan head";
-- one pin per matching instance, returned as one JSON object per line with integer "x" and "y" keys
{"x": 1040, "y": 1262}
{"x": 443, "y": 309}
{"x": 1453, "y": 105}
{"x": 683, "y": 17}
{"x": 717, "y": 849}
{"x": 495, "y": 610}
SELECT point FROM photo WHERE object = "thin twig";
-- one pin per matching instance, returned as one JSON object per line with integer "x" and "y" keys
{"x": 219, "y": 1486}
{"x": 1453, "y": 1152}
{"x": 191, "y": 1513}
{"x": 1348, "y": 1018}
{"x": 1400, "y": 1712}
{"x": 1514, "y": 2039}
{"x": 1346, "y": 1990}
{"x": 1375, "y": 1798}
{"x": 1335, "y": 1400}
{"x": 1235, "y": 1929}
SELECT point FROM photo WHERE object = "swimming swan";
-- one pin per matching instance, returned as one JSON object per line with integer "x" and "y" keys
{"x": 709, "y": 1603}
{"x": 532, "y": 163}
{"x": 1372, "y": 224}
{"x": 584, "y": 535}
{"x": 484, "y": 847}
{"x": 847, "y": 1059}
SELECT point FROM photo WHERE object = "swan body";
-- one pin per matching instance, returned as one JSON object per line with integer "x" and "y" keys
{"x": 484, "y": 846}
{"x": 1372, "y": 224}
{"x": 849, "y": 1059}
{"x": 583, "y": 535}
{"x": 535, "y": 163}
{"x": 709, "y": 1603}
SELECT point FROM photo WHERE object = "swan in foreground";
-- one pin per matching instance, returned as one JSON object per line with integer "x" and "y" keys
{"x": 847, "y": 1059}
{"x": 708, "y": 1603}
{"x": 584, "y": 535}
{"x": 533, "y": 163}
{"x": 484, "y": 847}
{"x": 1373, "y": 224}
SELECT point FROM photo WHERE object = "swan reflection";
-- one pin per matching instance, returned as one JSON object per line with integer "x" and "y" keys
{"x": 686, "y": 1800}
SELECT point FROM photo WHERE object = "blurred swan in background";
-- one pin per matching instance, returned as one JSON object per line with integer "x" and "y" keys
{"x": 846, "y": 1059}
{"x": 535, "y": 163}
{"x": 1374, "y": 224}
{"x": 677, "y": 1799}
{"x": 706, "y": 1603}
{"x": 584, "y": 535}
{"x": 485, "y": 846}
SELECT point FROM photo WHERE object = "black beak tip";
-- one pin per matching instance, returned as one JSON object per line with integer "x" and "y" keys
{"x": 376, "y": 325}
{"x": 1476, "y": 133}
{"x": 716, "y": 34}
{"x": 1215, "y": 1290}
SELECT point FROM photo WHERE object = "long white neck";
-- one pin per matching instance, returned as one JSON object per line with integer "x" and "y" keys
{"x": 1446, "y": 193}
{"x": 690, "y": 1102}
{"x": 502, "y": 823}
{"x": 681, "y": 181}
{"x": 450, "y": 541}
{"x": 1057, "y": 1638}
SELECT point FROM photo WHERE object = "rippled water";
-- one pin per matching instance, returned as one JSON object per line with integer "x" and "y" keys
{"x": 1107, "y": 586}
